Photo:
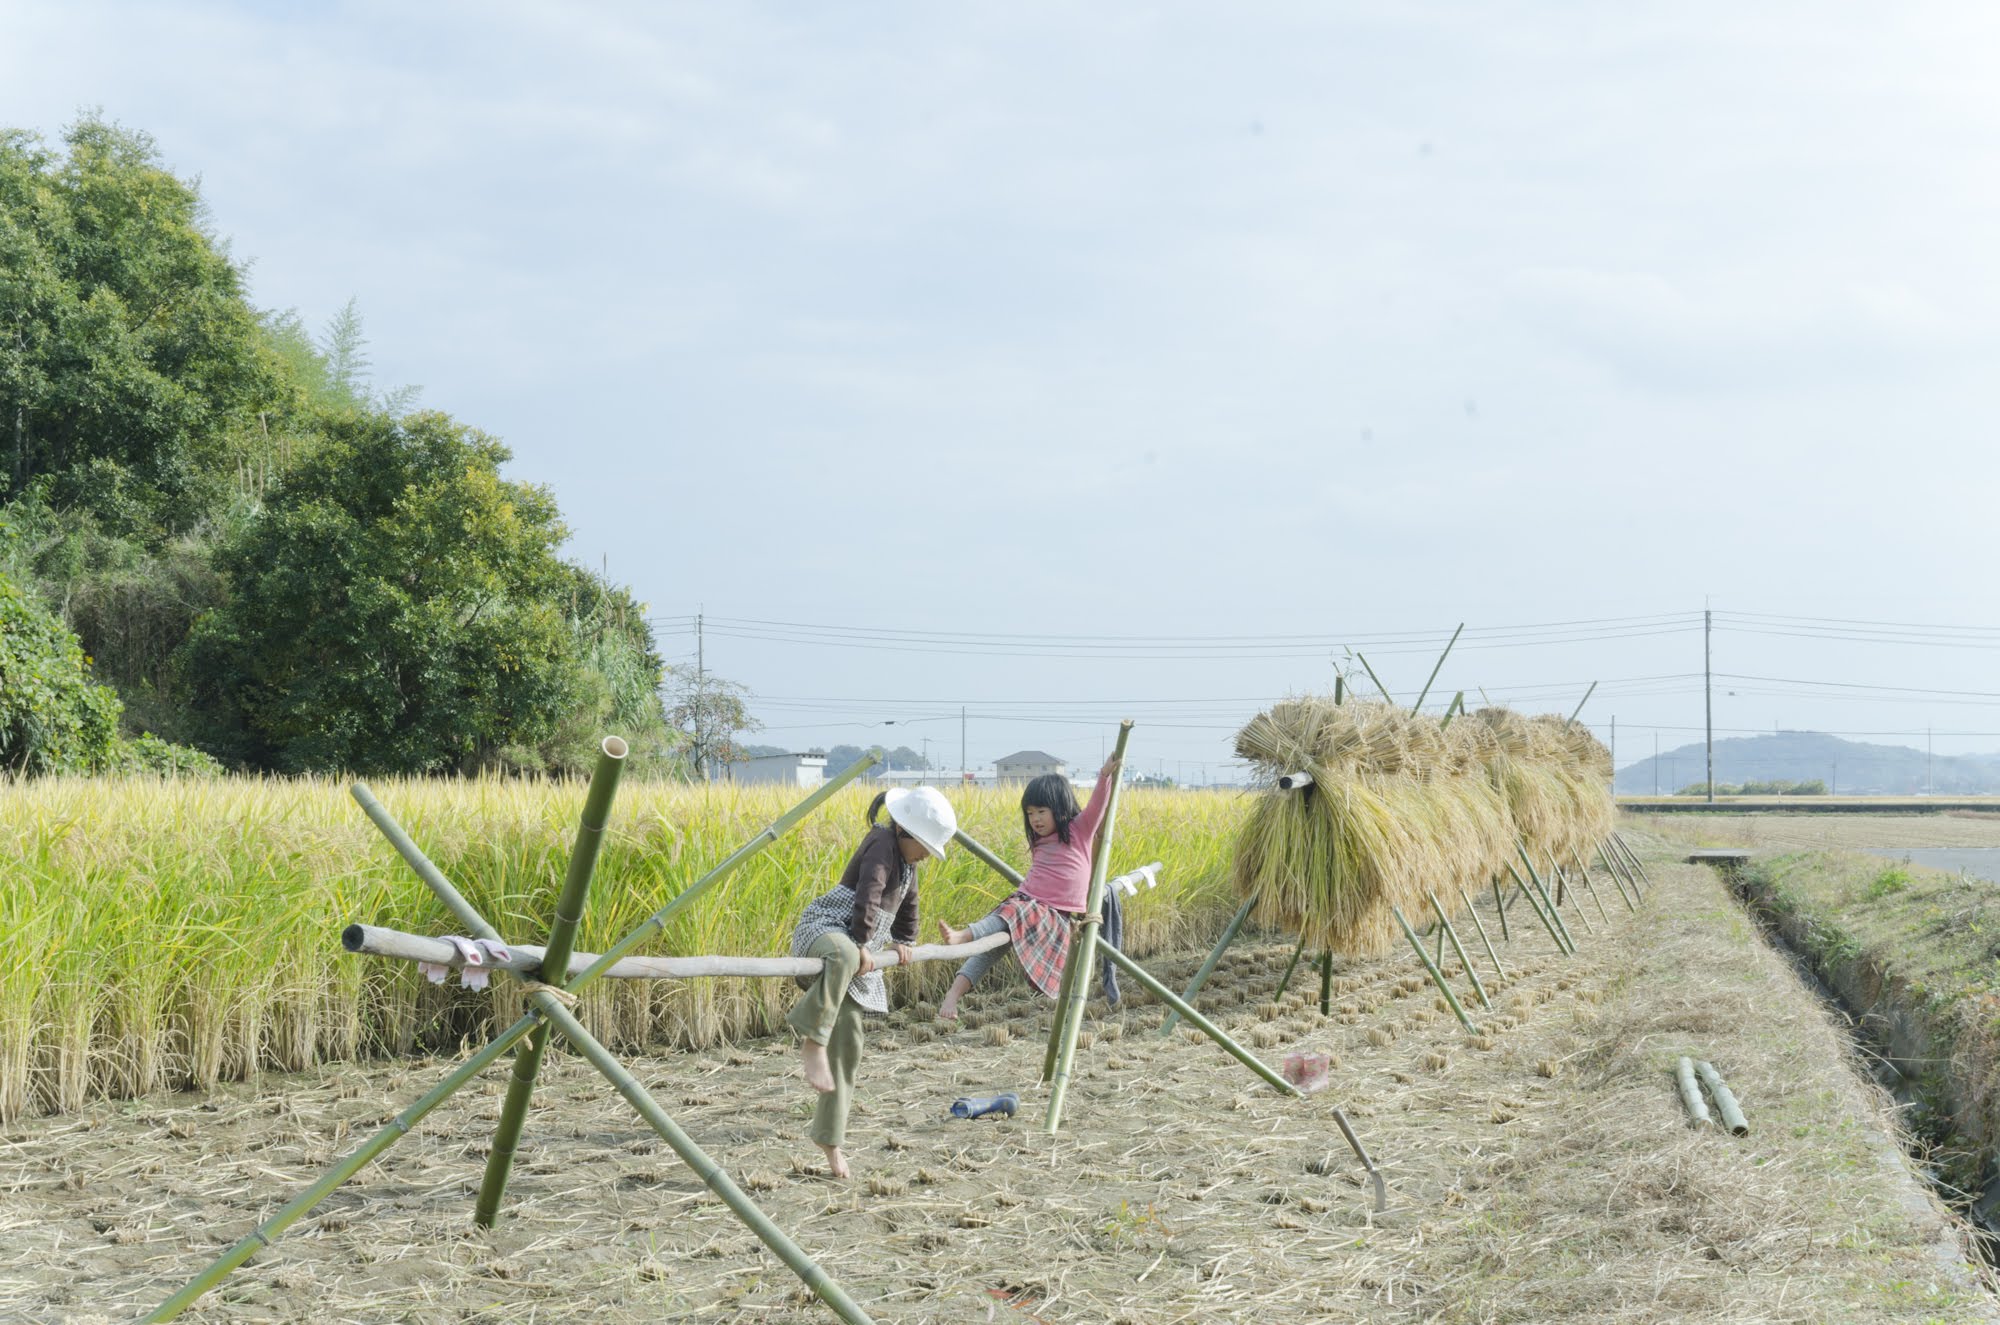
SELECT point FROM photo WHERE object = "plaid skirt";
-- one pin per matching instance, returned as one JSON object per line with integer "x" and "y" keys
{"x": 1041, "y": 939}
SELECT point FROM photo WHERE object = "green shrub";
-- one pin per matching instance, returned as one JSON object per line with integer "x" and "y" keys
{"x": 1889, "y": 881}
{"x": 53, "y": 717}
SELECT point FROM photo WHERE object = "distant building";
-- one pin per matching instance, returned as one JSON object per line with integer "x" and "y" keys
{"x": 1026, "y": 765}
{"x": 792, "y": 770}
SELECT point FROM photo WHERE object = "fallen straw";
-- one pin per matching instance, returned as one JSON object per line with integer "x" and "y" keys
{"x": 1690, "y": 1092}
{"x": 1725, "y": 1100}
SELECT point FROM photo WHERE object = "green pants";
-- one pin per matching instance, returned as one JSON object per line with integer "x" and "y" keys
{"x": 826, "y": 1015}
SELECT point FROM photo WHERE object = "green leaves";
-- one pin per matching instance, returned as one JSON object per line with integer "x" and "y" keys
{"x": 53, "y": 717}
{"x": 397, "y": 608}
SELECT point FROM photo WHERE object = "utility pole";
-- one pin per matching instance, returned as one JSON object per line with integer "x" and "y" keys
{"x": 1656, "y": 763}
{"x": 961, "y": 742}
{"x": 1614, "y": 756}
{"x": 1927, "y": 761}
{"x": 1708, "y": 695}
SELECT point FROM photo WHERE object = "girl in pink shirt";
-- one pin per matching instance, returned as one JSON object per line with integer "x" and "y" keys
{"x": 1037, "y": 915}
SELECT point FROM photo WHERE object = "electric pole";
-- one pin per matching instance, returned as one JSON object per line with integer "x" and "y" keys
{"x": 1614, "y": 756}
{"x": 1708, "y": 695}
{"x": 961, "y": 742}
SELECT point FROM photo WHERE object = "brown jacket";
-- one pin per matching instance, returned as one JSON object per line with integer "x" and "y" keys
{"x": 882, "y": 881}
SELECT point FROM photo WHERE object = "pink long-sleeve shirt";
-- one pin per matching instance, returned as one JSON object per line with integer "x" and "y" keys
{"x": 1058, "y": 872}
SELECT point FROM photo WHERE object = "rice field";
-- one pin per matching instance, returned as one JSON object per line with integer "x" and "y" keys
{"x": 177, "y": 934}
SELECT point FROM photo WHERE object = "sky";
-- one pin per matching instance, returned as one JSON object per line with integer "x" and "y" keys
{"x": 1056, "y": 363}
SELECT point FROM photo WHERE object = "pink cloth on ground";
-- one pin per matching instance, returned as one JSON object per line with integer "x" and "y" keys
{"x": 1058, "y": 872}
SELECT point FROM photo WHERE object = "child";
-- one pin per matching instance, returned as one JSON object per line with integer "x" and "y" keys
{"x": 1052, "y": 893}
{"x": 876, "y": 899}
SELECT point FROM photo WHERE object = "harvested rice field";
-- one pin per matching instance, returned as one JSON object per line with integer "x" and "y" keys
{"x": 1541, "y": 1171}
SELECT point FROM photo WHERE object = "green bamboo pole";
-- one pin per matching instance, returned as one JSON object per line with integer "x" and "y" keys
{"x": 1562, "y": 881}
{"x": 1459, "y": 948}
{"x": 1561, "y": 945}
{"x": 1208, "y": 967}
{"x": 1632, "y": 856}
{"x": 1480, "y": 925}
{"x": 1418, "y": 707}
{"x": 695, "y": 1158}
{"x": 1339, "y": 689}
{"x": 570, "y": 905}
{"x": 1286, "y": 979}
{"x": 1194, "y": 1018}
{"x": 266, "y": 1234}
{"x": 1501, "y": 907}
{"x": 1009, "y": 873}
{"x": 1590, "y": 883}
{"x": 1624, "y": 895}
{"x": 1376, "y": 679}
{"x": 1437, "y": 976}
{"x": 1543, "y": 888}
{"x": 1581, "y": 702}
{"x": 1456, "y": 706}
{"x": 1614, "y": 863}
{"x": 1326, "y": 982}
{"x": 993, "y": 862}
{"x": 1083, "y": 948}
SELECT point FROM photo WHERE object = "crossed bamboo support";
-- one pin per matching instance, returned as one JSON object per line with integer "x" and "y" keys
{"x": 549, "y": 1010}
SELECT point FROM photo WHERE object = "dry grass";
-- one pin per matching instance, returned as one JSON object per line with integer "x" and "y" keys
{"x": 1549, "y": 1178}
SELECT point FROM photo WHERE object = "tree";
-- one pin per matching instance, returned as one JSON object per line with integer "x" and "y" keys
{"x": 708, "y": 712}
{"x": 127, "y": 349}
{"x": 53, "y": 717}
{"x": 397, "y": 607}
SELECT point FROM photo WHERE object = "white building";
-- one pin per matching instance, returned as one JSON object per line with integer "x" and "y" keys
{"x": 792, "y": 770}
{"x": 1026, "y": 765}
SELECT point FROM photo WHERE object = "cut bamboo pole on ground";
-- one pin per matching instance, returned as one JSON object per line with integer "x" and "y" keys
{"x": 1083, "y": 948}
{"x": 267, "y": 1233}
{"x": 1725, "y": 1099}
{"x": 1444, "y": 922}
{"x": 570, "y": 904}
{"x": 1196, "y": 1019}
{"x": 1690, "y": 1092}
{"x": 1208, "y": 967}
{"x": 1437, "y": 976}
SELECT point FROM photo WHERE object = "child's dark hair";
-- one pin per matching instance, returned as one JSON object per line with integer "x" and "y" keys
{"x": 875, "y": 806}
{"x": 1051, "y": 792}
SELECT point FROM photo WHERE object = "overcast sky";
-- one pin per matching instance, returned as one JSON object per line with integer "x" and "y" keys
{"x": 1212, "y": 324}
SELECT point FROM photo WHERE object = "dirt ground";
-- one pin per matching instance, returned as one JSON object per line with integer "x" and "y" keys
{"x": 1542, "y": 1170}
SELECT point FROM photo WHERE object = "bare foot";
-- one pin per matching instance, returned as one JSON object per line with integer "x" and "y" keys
{"x": 812, "y": 1057}
{"x": 836, "y": 1162}
{"x": 954, "y": 936}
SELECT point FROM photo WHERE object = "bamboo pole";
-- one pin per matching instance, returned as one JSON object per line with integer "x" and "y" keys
{"x": 1459, "y": 948}
{"x": 1286, "y": 979}
{"x": 1584, "y": 870}
{"x": 1588, "y": 884}
{"x": 1480, "y": 925}
{"x": 1543, "y": 888}
{"x": 1422, "y": 694}
{"x": 570, "y": 904}
{"x": 1437, "y": 976}
{"x": 1456, "y": 706}
{"x": 1613, "y": 857}
{"x": 1725, "y": 1100}
{"x": 1581, "y": 702}
{"x": 1690, "y": 1092}
{"x": 266, "y": 1233}
{"x": 809, "y": 1272}
{"x": 1376, "y": 679}
{"x": 1069, "y": 1016}
{"x": 1208, "y": 967}
{"x": 1195, "y": 1019}
{"x": 1632, "y": 856}
{"x": 1326, "y": 982}
{"x": 1562, "y": 878}
{"x": 1562, "y": 943}
{"x": 1501, "y": 907}
{"x": 375, "y": 941}
{"x": 1624, "y": 894}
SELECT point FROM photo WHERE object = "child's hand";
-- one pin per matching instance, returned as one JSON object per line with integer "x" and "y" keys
{"x": 903, "y": 954}
{"x": 867, "y": 962}
{"x": 1110, "y": 767}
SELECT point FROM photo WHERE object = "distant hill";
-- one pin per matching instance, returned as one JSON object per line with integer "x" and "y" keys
{"x": 1849, "y": 768}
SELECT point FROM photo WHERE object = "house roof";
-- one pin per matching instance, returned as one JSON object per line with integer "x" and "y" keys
{"x": 1028, "y": 757}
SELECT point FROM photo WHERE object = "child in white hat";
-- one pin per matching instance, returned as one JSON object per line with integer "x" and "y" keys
{"x": 875, "y": 900}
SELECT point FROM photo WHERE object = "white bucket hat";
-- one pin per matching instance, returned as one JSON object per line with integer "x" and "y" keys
{"x": 924, "y": 814}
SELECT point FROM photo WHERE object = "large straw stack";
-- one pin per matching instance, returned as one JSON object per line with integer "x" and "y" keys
{"x": 1401, "y": 804}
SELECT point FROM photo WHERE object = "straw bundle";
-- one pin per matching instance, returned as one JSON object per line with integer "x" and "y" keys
{"x": 1400, "y": 804}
